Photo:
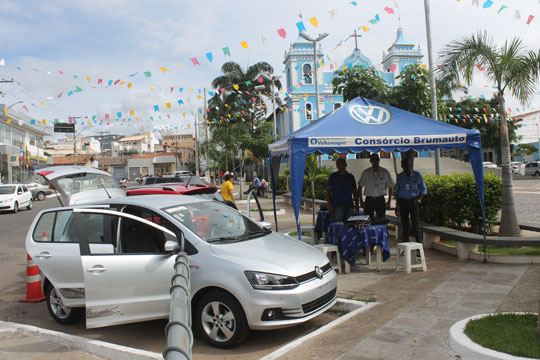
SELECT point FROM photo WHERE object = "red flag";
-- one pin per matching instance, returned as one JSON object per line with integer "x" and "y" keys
{"x": 195, "y": 61}
{"x": 281, "y": 32}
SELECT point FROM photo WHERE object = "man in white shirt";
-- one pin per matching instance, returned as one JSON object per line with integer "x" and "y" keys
{"x": 376, "y": 182}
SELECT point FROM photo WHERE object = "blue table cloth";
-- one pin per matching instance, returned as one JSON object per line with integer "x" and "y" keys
{"x": 351, "y": 240}
{"x": 323, "y": 220}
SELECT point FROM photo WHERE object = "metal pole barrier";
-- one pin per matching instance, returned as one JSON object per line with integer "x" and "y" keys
{"x": 178, "y": 329}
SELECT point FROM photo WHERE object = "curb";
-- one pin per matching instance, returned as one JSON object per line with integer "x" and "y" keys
{"x": 461, "y": 344}
{"x": 96, "y": 347}
{"x": 341, "y": 305}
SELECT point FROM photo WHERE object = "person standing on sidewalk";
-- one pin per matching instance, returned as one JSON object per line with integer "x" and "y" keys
{"x": 227, "y": 191}
{"x": 376, "y": 181}
{"x": 410, "y": 190}
{"x": 340, "y": 190}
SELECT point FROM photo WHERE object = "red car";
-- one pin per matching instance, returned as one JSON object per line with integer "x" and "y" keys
{"x": 194, "y": 189}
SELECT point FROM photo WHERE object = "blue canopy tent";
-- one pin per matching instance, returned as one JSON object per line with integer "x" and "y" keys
{"x": 362, "y": 124}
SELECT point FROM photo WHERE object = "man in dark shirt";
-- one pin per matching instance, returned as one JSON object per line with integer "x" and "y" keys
{"x": 410, "y": 190}
{"x": 341, "y": 187}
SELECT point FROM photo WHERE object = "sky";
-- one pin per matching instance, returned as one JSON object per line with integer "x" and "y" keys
{"x": 56, "y": 52}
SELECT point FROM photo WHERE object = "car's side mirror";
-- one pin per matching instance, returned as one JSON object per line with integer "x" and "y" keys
{"x": 171, "y": 247}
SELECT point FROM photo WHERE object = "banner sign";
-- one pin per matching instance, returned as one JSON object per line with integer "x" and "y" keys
{"x": 13, "y": 159}
{"x": 416, "y": 140}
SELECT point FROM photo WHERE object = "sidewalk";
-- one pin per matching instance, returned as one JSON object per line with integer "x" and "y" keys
{"x": 411, "y": 319}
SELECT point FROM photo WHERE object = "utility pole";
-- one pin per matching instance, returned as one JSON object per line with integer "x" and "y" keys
{"x": 101, "y": 145}
{"x": 196, "y": 148}
{"x": 205, "y": 119}
{"x": 73, "y": 118}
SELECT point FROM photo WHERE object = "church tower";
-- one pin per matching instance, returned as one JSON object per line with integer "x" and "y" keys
{"x": 300, "y": 81}
{"x": 399, "y": 55}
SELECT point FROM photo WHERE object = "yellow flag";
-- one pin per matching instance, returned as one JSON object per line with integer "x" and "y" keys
{"x": 44, "y": 122}
{"x": 365, "y": 28}
{"x": 424, "y": 66}
{"x": 168, "y": 105}
{"x": 343, "y": 68}
{"x": 9, "y": 121}
{"x": 236, "y": 87}
{"x": 184, "y": 114}
{"x": 191, "y": 90}
{"x": 129, "y": 85}
{"x": 226, "y": 105}
{"x": 314, "y": 21}
{"x": 131, "y": 112}
{"x": 244, "y": 44}
{"x": 6, "y": 111}
{"x": 42, "y": 103}
{"x": 152, "y": 87}
{"x": 163, "y": 69}
{"x": 88, "y": 78}
{"x": 122, "y": 82}
{"x": 199, "y": 97}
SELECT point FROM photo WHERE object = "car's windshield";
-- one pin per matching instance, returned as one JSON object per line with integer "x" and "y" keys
{"x": 215, "y": 222}
{"x": 214, "y": 196}
{"x": 7, "y": 189}
{"x": 83, "y": 182}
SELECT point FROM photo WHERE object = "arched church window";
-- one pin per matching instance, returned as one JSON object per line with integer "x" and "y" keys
{"x": 309, "y": 112}
{"x": 306, "y": 71}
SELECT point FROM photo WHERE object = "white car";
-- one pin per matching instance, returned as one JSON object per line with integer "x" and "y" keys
{"x": 516, "y": 167}
{"x": 14, "y": 196}
{"x": 111, "y": 258}
{"x": 489, "y": 165}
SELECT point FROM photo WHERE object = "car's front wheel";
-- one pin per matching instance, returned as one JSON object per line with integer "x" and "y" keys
{"x": 15, "y": 207}
{"x": 29, "y": 207}
{"x": 61, "y": 313}
{"x": 40, "y": 196}
{"x": 221, "y": 320}
{"x": 537, "y": 174}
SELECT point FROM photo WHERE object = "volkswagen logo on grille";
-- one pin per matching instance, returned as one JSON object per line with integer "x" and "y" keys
{"x": 319, "y": 272}
{"x": 370, "y": 115}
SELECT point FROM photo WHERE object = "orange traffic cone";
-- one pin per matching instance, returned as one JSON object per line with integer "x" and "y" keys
{"x": 33, "y": 282}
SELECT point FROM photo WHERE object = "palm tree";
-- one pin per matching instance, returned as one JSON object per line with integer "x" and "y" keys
{"x": 510, "y": 68}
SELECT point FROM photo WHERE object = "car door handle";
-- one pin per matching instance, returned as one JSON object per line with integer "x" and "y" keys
{"x": 44, "y": 255}
{"x": 98, "y": 269}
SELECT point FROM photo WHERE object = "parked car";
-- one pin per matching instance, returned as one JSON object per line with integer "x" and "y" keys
{"x": 187, "y": 179}
{"x": 113, "y": 260}
{"x": 183, "y": 173}
{"x": 203, "y": 191}
{"x": 532, "y": 168}
{"x": 39, "y": 191}
{"x": 516, "y": 167}
{"x": 15, "y": 196}
{"x": 489, "y": 165}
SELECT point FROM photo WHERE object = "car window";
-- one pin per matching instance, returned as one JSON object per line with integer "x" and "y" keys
{"x": 19, "y": 190}
{"x": 25, "y": 189}
{"x": 7, "y": 189}
{"x": 65, "y": 227}
{"x": 44, "y": 227}
{"x": 136, "y": 237}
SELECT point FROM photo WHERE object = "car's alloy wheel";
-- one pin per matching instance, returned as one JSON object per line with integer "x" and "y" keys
{"x": 41, "y": 196}
{"x": 221, "y": 320}
{"x": 29, "y": 207}
{"x": 15, "y": 207}
{"x": 61, "y": 313}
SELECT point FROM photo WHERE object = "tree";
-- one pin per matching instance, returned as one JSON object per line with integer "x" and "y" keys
{"x": 238, "y": 109}
{"x": 359, "y": 81}
{"x": 510, "y": 68}
{"x": 527, "y": 149}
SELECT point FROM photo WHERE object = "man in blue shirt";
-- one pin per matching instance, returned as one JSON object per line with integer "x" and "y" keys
{"x": 341, "y": 187}
{"x": 410, "y": 190}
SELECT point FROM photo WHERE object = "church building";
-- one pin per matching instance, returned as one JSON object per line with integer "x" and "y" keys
{"x": 300, "y": 103}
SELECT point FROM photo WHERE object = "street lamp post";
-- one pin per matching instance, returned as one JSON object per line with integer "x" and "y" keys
{"x": 3, "y": 115}
{"x": 432, "y": 80}
{"x": 315, "y": 41}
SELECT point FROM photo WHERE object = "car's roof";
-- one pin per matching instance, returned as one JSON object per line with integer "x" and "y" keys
{"x": 156, "y": 201}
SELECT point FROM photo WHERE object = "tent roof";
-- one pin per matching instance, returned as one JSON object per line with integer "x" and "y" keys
{"x": 363, "y": 124}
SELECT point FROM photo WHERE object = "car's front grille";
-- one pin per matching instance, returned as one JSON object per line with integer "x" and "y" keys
{"x": 311, "y": 275}
{"x": 320, "y": 302}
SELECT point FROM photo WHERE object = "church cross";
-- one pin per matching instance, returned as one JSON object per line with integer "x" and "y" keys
{"x": 355, "y": 36}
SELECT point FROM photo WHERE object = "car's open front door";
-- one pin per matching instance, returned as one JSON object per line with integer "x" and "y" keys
{"x": 127, "y": 274}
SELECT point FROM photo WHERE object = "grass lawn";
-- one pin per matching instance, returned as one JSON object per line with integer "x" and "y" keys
{"x": 499, "y": 250}
{"x": 509, "y": 333}
{"x": 304, "y": 233}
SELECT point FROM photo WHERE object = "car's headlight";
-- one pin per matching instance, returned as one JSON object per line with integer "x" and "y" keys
{"x": 266, "y": 281}
{"x": 7, "y": 200}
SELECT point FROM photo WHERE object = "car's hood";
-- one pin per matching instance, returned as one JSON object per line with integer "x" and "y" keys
{"x": 82, "y": 185}
{"x": 6, "y": 196}
{"x": 274, "y": 253}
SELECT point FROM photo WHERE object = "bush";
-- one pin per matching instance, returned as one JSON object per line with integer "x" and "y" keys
{"x": 452, "y": 201}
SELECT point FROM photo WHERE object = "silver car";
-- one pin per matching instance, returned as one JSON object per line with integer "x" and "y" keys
{"x": 39, "y": 191}
{"x": 103, "y": 255}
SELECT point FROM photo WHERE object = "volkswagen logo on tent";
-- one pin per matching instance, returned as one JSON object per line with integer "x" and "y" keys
{"x": 370, "y": 115}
